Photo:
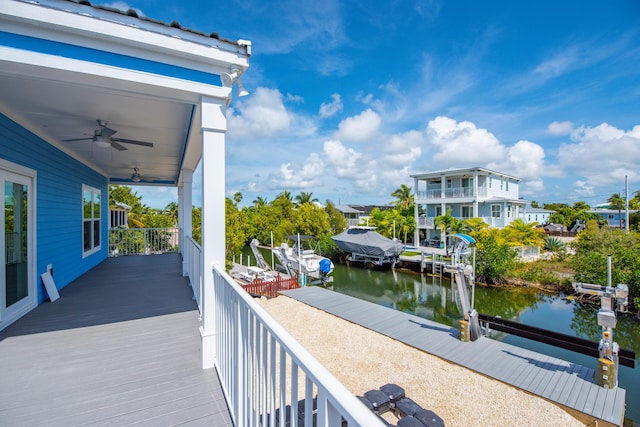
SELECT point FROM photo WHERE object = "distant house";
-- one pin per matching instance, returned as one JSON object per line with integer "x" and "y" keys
{"x": 359, "y": 214}
{"x": 467, "y": 193}
{"x": 613, "y": 217}
{"x": 119, "y": 215}
{"x": 538, "y": 215}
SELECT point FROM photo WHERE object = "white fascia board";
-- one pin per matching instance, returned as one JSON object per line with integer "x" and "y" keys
{"x": 97, "y": 29}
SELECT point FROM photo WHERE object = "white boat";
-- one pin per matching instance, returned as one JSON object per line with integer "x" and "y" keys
{"x": 309, "y": 267}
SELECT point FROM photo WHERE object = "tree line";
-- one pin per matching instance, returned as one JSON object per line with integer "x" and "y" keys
{"x": 496, "y": 262}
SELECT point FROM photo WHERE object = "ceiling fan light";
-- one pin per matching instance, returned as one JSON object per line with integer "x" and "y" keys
{"x": 101, "y": 141}
{"x": 135, "y": 178}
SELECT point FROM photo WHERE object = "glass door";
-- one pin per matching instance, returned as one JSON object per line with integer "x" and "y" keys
{"x": 17, "y": 290}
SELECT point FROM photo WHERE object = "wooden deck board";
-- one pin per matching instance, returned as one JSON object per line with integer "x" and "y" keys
{"x": 120, "y": 346}
{"x": 554, "y": 379}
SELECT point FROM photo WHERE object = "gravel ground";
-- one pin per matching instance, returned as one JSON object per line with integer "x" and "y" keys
{"x": 364, "y": 360}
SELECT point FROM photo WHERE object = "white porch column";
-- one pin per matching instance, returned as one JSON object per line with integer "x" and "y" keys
{"x": 186, "y": 204}
{"x": 214, "y": 127}
{"x": 475, "y": 194}
{"x": 443, "y": 194}
{"x": 181, "y": 223}
{"x": 416, "y": 196}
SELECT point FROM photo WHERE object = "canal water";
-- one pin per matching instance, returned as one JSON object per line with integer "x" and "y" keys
{"x": 434, "y": 298}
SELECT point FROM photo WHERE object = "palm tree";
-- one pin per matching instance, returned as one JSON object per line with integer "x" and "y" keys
{"x": 260, "y": 202}
{"x": 447, "y": 223}
{"x": 403, "y": 196}
{"x": 237, "y": 197}
{"x": 305, "y": 197}
{"x": 616, "y": 201}
{"x": 172, "y": 210}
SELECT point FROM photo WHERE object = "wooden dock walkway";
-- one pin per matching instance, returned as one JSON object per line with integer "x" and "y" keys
{"x": 567, "y": 384}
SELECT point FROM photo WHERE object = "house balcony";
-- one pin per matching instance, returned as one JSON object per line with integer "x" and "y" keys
{"x": 123, "y": 346}
{"x": 429, "y": 222}
{"x": 449, "y": 193}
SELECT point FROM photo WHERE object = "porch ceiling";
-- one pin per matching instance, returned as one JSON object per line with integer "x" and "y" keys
{"x": 57, "y": 111}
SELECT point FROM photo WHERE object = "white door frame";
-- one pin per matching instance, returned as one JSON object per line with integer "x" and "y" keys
{"x": 26, "y": 176}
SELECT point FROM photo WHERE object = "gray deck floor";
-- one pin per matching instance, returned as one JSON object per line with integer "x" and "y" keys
{"x": 120, "y": 347}
{"x": 559, "y": 381}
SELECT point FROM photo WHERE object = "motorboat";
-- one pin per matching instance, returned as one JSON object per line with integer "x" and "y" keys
{"x": 365, "y": 245}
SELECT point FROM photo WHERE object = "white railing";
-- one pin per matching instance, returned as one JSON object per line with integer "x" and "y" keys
{"x": 143, "y": 241}
{"x": 450, "y": 193}
{"x": 265, "y": 372}
{"x": 192, "y": 255}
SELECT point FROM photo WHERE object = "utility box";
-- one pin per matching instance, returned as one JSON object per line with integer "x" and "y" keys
{"x": 465, "y": 334}
{"x": 606, "y": 318}
{"x": 606, "y": 373}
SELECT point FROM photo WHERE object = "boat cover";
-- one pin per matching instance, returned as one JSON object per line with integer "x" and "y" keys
{"x": 367, "y": 242}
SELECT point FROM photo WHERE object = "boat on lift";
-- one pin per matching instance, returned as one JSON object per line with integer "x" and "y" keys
{"x": 295, "y": 261}
{"x": 367, "y": 246}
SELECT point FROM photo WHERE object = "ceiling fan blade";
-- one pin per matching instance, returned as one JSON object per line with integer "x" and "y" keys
{"x": 77, "y": 139}
{"x": 105, "y": 131}
{"x": 131, "y": 141}
{"x": 118, "y": 146}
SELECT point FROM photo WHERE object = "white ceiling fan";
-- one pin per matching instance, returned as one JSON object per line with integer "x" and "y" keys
{"x": 103, "y": 137}
{"x": 136, "y": 177}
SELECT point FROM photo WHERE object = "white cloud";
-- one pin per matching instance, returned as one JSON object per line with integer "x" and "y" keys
{"x": 350, "y": 164}
{"x": 359, "y": 128}
{"x": 292, "y": 175}
{"x": 603, "y": 155}
{"x": 526, "y": 160}
{"x": 328, "y": 109}
{"x": 560, "y": 128}
{"x": 403, "y": 149}
{"x": 262, "y": 114}
{"x": 462, "y": 143}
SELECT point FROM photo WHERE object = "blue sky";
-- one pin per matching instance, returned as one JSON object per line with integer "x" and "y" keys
{"x": 349, "y": 98}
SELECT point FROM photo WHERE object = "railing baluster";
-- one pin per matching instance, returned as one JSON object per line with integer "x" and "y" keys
{"x": 252, "y": 355}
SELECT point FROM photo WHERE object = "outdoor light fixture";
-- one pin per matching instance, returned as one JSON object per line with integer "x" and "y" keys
{"x": 102, "y": 141}
{"x": 241, "y": 90}
{"x": 228, "y": 79}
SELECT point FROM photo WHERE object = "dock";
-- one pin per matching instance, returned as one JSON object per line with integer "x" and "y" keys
{"x": 564, "y": 383}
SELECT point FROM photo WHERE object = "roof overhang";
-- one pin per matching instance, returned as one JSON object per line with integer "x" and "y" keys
{"x": 65, "y": 65}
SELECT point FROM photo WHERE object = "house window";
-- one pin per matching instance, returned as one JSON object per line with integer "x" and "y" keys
{"x": 507, "y": 185}
{"x": 438, "y": 210}
{"x": 501, "y": 184}
{"x": 509, "y": 211}
{"x": 490, "y": 181}
{"x": 467, "y": 211}
{"x": 496, "y": 211}
{"x": 90, "y": 220}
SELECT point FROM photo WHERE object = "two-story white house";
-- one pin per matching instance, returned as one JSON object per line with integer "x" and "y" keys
{"x": 466, "y": 193}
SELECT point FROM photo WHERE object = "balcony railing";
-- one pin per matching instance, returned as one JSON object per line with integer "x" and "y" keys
{"x": 450, "y": 193}
{"x": 143, "y": 241}
{"x": 267, "y": 376}
{"x": 192, "y": 256}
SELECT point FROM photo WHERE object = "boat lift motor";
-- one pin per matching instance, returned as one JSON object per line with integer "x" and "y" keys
{"x": 612, "y": 300}
{"x": 462, "y": 272}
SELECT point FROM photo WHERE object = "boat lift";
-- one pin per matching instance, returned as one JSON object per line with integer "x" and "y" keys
{"x": 612, "y": 300}
{"x": 463, "y": 273}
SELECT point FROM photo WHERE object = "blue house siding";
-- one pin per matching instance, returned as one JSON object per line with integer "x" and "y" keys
{"x": 58, "y": 203}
